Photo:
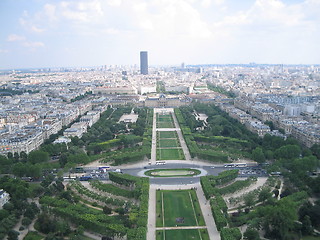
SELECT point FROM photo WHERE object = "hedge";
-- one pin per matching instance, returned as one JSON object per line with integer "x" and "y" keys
{"x": 111, "y": 189}
{"x": 230, "y": 234}
{"x": 208, "y": 183}
{"x": 238, "y": 185}
{"x": 93, "y": 195}
{"x": 219, "y": 217}
{"x": 89, "y": 218}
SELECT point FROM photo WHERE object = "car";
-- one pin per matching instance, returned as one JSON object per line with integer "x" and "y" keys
{"x": 212, "y": 167}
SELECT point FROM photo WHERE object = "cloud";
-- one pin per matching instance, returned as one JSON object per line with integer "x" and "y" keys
{"x": 4, "y": 51}
{"x": 111, "y": 31}
{"x": 212, "y": 29}
{"x": 116, "y": 3}
{"x": 33, "y": 45}
{"x": 24, "y": 42}
{"x": 83, "y": 11}
{"x": 15, "y": 38}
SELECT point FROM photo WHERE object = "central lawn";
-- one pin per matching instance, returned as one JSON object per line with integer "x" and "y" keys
{"x": 167, "y": 134}
{"x": 164, "y": 121}
{"x": 165, "y": 125}
{"x": 164, "y": 118}
{"x": 178, "y": 204}
{"x": 172, "y": 172}
{"x": 170, "y": 154}
{"x": 163, "y": 143}
{"x": 183, "y": 234}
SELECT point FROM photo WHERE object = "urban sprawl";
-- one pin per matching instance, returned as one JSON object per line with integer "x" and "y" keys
{"x": 38, "y": 103}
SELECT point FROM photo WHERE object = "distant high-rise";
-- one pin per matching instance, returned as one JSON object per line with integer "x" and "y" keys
{"x": 144, "y": 62}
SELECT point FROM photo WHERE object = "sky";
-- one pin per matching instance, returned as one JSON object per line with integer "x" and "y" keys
{"x": 75, "y": 33}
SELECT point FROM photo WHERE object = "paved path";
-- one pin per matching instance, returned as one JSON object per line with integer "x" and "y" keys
{"x": 151, "y": 232}
{"x": 181, "y": 138}
{"x": 154, "y": 139}
{"x": 259, "y": 183}
{"x": 207, "y": 215}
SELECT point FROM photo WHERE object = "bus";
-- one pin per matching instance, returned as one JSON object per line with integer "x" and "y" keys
{"x": 235, "y": 165}
{"x": 79, "y": 170}
{"x": 104, "y": 168}
{"x": 276, "y": 174}
{"x": 85, "y": 178}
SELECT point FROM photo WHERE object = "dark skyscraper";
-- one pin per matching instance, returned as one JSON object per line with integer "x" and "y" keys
{"x": 144, "y": 62}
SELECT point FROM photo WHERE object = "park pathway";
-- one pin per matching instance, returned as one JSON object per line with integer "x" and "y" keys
{"x": 151, "y": 232}
{"x": 204, "y": 204}
{"x": 154, "y": 139}
{"x": 207, "y": 214}
{"x": 181, "y": 139}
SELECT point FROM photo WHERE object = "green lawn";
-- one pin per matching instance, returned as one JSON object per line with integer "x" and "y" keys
{"x": 183, "y": 234}
{"x": 172, "y": 172}
{"x": 33, "y": 236}
{"x": 178, "y": 204}
{"x": 170, "y": 154}
{"x": 164, "y": 143}
{"x": 167, "y": 134}
{"x": 310, "y": 238}
{"x": 165, "y": 125}
{"x": 164, "y": 118}
{"x": 164, "y": 121}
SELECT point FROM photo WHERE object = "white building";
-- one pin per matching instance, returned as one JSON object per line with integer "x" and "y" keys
{"x": 4, "y": 198}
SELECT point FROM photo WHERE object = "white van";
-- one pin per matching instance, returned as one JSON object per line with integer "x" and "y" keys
{"x": 160, "y": 162}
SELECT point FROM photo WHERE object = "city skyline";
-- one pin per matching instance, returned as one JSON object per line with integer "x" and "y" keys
{"x": 38, "y": 34}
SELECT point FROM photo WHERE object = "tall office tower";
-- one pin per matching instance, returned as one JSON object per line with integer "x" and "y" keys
{"x": 144, "y": 62}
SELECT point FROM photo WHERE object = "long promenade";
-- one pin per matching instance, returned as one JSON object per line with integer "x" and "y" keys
{"x": 204, "y": 204}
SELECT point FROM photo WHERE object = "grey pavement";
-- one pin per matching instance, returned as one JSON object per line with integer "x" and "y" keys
{"x": 208, "y": 218}
{"x": 154, "y": 139}
{"x": 181, "y": 138}
{"x": 151, "y": 233}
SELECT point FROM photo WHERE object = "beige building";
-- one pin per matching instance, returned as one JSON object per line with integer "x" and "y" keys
{"x": 164, "y": 101}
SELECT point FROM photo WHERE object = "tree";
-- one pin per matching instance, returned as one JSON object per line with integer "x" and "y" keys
{"x": 19, "y": 169}
{"x": 288, "y": 152}
{"x": 249, "y": 199}
{"x": 26, "y": 221}
{"x": 316, "y": 150}
{"x": 33, "y": 171}
{"x": 10, "y": 155}
{"x": 307, "y": 228}
{"x": 264, "y": 194}
{"x": 45, "y": 223}
{"x": 251, "y": 234}
{"x": 38, "y": 157}
{"x": 258, "y": 156}
{"x": 23, "y": 156}
{"x": 13, "y": 235}
{"x": 107, "y": 210}
{"x": 16, "y": 157}
{"x": 280, "y": 219}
